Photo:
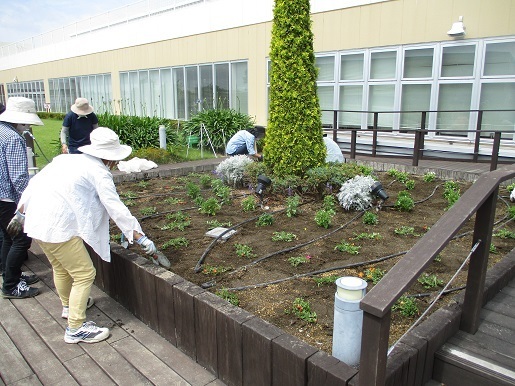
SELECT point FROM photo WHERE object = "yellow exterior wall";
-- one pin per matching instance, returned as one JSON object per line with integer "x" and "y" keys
{"x": 382, "y": 24}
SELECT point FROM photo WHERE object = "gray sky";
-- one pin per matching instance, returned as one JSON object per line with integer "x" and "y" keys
{"x": 20, "y": 19}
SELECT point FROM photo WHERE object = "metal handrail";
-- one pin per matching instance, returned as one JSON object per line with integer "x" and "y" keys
{"x": 480, "y": 199}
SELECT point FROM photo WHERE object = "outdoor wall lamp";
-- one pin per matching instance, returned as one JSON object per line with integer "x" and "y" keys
{"x": 457, "y": 29}
{"x": 263, "y": 183}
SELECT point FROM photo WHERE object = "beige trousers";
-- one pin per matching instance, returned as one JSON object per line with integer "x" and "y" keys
{"x": 74, "y": 274}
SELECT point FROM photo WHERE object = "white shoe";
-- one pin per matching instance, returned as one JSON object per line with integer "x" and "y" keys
{"x": 88, "y": 333}
{"x": 66, "y": 310}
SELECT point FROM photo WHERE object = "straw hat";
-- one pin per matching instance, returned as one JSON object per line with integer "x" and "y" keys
{"x": 105, "y": 144}
{"x": 21, "y": 111}
{"x": 82, "y": 107}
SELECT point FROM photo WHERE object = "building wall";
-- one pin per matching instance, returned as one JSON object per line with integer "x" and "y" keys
{"x": 384, "y": 23}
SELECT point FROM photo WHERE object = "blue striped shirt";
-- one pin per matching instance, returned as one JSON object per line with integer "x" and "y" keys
{"x": 14, "y": 168}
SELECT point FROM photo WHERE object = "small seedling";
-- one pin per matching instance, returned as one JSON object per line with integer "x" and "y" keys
{"x": 264, "y": 220}
{"x": 329, "y": 204}
{"x": 493, "y": 249}
{"x": 374, "y": 275}
{"x": 505, "y": 234}
{"x": 192, "y": 190}
{"x": 143, "y": 184}
{"x": 216, "y": 224}
{"x": 410, "y": 184}
{"x": 284, "y": 236}
{"x": 430, "y": 281}
{"x": 179, "y": 221}
{"x": 325, "y": 280}
{"x": 368, "y": 236}
{"x": 173, "y": 201}
{"x": 370, "y": 218}
{"x": 211, "y": 206}
{"x": 176, "y": 243}
{"x": 214, "y": 269}
{"x": 243, "y": 250}
{"x": 302, "y": 309}
{"x": 405, "y": 230}
{"x": 295, "y": 261}
{"x": 324, "y": 217}
{"x": 148, "y": 211}
{"x": 129, "y": 194}
{"x": 292, "y": 206}
{"x": 429, "y": 176}
{"x": 404, "y": 201}
{"x": 406, "y": 306}
{"x": 249, "y": 204}
{"x": 229, "y": 296}
{"x": 347, "y": 247}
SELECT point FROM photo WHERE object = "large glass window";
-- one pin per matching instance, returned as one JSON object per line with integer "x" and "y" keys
{"x": 326, "y": 98}
{"x": 351, "y": 67}
{"x": 418, "y": 63}
{"x": 383, "y": 65}
{"x": 325, "y": 65}
{"x": 498, "y": 96}
{"x": 180, "y": 98}
{"x": 351, "y": 97}
{"x": 458, "y": 61}
{"x": 222, "y": 85}
{"x": 381, "y": 98}
{"x": 455, "y": 99}
{"x": 206, "y": 86}
{"x": 34, "y": 90}
{"x": 167, "y": 100}
{"x": 415, "y": 97}
{"x": 192, "y": 95}
{"x": 154, "y": 81}
{"x": 500, "y": 59}
{"x": 239, "y": 87}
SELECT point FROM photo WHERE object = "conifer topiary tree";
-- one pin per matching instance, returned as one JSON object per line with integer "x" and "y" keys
{"x": 294, "y": 141}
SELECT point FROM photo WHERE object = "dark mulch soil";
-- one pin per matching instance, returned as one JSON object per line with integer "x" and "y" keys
{"x": 272, "y": 302}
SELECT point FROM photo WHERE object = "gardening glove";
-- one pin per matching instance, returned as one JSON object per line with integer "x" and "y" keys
{"x": 147, "y": 245}
{"x": 16, "y": 224}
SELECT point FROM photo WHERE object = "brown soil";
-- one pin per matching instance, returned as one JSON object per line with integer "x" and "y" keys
{"x": 273, "y": 302}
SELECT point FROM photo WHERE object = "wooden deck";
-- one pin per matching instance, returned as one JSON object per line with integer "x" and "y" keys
{"x": 488, "y": 356}
{"x": 33, "y": 352}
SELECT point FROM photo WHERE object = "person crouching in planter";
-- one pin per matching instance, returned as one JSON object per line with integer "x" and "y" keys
{"x": 245, "y": 142}
{"x": 67, "y": 205}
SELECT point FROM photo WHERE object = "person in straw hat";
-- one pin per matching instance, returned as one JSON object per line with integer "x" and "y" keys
{"x": 77, "y": 126}
{"x": 63, "y": 215}
{"x": 19, "y": 114}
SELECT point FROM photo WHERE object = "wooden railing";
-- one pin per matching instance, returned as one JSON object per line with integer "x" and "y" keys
{"x": 419, "y": 134}
{"x": 480, "y": 199}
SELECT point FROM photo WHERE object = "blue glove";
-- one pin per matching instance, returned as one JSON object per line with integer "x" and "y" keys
{"x": 16, "y": 224}
{"x": 147, "y": 245}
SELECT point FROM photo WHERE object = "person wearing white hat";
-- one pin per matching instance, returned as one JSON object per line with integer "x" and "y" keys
{"x": 77, "y": 126}
{"x": 14, "y": 177}
{"x": 63, "y": 215}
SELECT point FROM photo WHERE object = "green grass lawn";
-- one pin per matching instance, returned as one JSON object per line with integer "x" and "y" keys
{"x": 47, "y": 144}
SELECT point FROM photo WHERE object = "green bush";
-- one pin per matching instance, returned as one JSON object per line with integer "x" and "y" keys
{"x": 221, "y": 125}
{"x": 157, "y": 155}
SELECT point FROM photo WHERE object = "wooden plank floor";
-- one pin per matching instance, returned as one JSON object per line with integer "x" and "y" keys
{"x": 33, "y": 352}
{"x": 491, "y": 350}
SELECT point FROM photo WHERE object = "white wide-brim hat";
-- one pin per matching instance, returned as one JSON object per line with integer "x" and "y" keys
{"x": 21, "y": 110}
{"x": 105, "y": 144}
{"x": 81, "y": 107}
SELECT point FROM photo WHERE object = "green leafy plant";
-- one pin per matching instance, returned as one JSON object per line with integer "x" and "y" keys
{"x": 429, "y": 176}
{"x": 410, "y": 184}
{"x": 129, "y": 194}
{"x": 249, "y": 203}
{"x": 148, "y": 211}
{"x": 179, "y": 221}
{"x": 231, "y": 297}
{"x": 284, "y": 236}
{"x": 205, "y": 180}
{"x": 370, "y": 218}
{"x": 405, "y": 230}
{"x": 292, "y": 205}
{"x": 244, "y": 250}
{"x": 347, "y": 247}
{"x": 192, "y": 190}
{"x": 368, "y": 236}
{"x": 505, "y": 234}
{"x": 324, "y": 217}
{"x": 451, "y": 193}
{"x": 493, "y": 249}
{"x": 295, "y": 261}
{"x": 217, "y": 224}
{"x": 374, "y": 274}
{"x": 329, "y": 203}
{"x": 302, "y": 310}
{"x": 406, "y": 306}
{"x": 404, "y": 201}
{"x": 398, "y": 175}
{"x": 511, "y": 212}
{"x": 214, "y": 270}
{"x": 143, "y": 184}
{"x": 430, "y": 281}
{"x": 325, "y": 280}
{"x": 264, "y": 220}
{"x": 172, "y": 201}
{"x": 211, "y": 206}
{"x": 176, "y": 243}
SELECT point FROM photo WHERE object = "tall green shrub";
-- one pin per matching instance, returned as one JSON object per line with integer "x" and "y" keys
{"x": 294, "y": 133}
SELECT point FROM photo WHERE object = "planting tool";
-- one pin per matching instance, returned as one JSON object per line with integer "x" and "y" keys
{"x": 160, "y": 259}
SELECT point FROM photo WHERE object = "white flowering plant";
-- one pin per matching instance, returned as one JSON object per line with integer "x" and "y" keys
{"x": 231, "y": 170}
{"x": 355, "y": 193}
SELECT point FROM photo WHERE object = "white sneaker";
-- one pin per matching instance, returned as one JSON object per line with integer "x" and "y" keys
{"x": 66, "y": 310}
{"x": 88, "y": 333}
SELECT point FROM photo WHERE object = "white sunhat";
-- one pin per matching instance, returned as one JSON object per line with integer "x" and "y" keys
{"x": 81, "y": 107}
{"x": 21, "y": 111}
{"x": 105, "y": 144}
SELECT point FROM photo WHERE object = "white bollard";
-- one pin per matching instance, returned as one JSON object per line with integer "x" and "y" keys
{"x": 162, "y": 136}
{"x": 348, "y": 319}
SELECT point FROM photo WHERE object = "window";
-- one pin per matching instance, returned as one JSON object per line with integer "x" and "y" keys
{"x": 222, "y": 85}
{"x": 325, "y": 65}
{"x": 351, "y": 97}
{"x": 381, "y": 98}
{"x": 383, "y": 65}
{"x": 206, "y": 86}
{"x": 455, "y": 96}
{"x": 239, "y": 87}
{"x": 498, "y": 96}
{"x": 500, "y": 59}
{"x": 415, "y": 97}
{"x": 351, "y": 67}
{"x": 326, "y": 98}
{"x": 27, "y": 90}
{"x": 418, "y": 63}
{"x": 458, "y": 61}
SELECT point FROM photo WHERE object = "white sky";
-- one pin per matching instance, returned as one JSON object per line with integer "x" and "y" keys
{"x": 20, "y": 19}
